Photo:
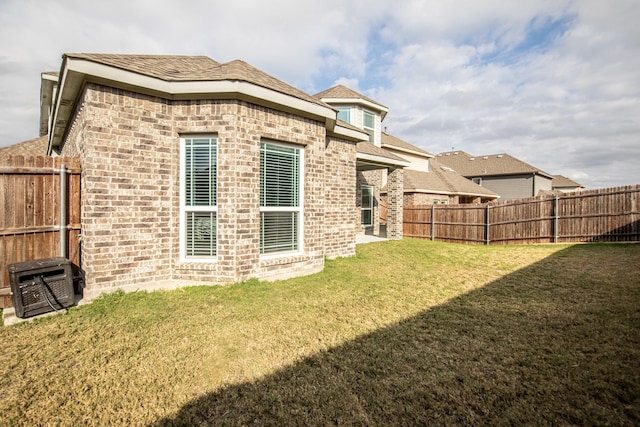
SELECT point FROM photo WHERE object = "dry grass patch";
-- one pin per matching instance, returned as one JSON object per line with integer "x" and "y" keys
{"x": 405, "y": 332}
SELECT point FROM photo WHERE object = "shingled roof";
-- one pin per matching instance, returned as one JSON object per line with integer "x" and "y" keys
{"x": 443, "y": 180}
{"x": 489, "y": 165}
{"x": 180, "y": 68}
{"x": 390, "y": 141}
{"x": 31, "y": 147}
{"x": 341, "y": 93}
{"x": 560, "y": 181}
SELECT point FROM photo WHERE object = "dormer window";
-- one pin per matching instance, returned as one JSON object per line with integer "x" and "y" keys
{"x": 344, "y": 114}
{"x": 369, "y": 124}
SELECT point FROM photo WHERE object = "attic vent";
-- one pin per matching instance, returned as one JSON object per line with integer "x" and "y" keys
{"x": 446, "y": 168}
{"x": 455, "y": 153}
{"x": 499, "y": 156}
{"x": 485, "y": 157}
{"x": 472, "y": 158}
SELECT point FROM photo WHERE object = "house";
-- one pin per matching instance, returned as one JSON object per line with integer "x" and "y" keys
{"x": 32, "y": 147}
{"x": 503, "y": 174}
{"x": 197, "y": 171}
{"x": 421, "y": 184}
{"x": 427, "y": 181}
{"x": 565, "y": 185}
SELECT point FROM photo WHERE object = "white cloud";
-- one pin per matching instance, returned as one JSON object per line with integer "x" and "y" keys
{"x": 553, "y": 82}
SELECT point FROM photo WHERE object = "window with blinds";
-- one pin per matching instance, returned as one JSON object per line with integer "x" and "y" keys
{"x": 199, "y": 197}
{"x": 280, "y": 197}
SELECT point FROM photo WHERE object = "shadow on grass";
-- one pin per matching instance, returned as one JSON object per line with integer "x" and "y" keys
{"x": 554, "y": 343}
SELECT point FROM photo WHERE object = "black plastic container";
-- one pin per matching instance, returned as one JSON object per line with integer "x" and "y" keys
{"x": 41, "y": 286}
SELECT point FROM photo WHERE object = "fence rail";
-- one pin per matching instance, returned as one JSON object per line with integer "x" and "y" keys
{"x": 605, "y": 215}
{"x": 41, "y": 204}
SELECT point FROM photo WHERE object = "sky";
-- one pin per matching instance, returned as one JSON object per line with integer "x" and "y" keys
{"x": 555, "y": 83}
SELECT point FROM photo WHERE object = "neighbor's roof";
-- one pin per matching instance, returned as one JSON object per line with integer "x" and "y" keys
{"x": 560, "y": 181}
{"x": 489, "y": 165}
{"x": 180, "y": 68}
{"x": 31, "y": 147}
{"x": 443, "y": 180}
{"x": 365, "y": 147}
{"x": 392, "y": 142}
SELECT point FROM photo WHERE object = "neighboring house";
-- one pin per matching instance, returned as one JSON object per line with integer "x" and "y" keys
{"x": 427, "y": 181}
{"x": 503, "y": 174}
{"x": 197, "y": 171}
{"x": 33, "y": 147}
{"x": 565, "y": 185}
{"x": 425, "y": 185}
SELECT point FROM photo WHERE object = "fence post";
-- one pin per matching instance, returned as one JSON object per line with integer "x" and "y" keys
{"x": 487, "y": 223}
{"x": 63, "y": 211}
{"x": 555, "y": 220}
{"x": 433, "y": 222}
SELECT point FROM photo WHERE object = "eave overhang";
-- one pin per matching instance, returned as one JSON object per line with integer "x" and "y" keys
{"x": 76, "y": 73}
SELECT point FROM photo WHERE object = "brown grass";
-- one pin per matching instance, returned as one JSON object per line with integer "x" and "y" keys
{"x": 405, "y": 333}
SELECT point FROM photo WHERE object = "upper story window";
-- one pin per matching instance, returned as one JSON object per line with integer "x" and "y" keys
{"x": 369, "y": 124}
{"x": 198, "y": 198}
{"x": 344, "y": 114}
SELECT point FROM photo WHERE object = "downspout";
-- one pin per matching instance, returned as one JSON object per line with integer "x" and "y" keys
{"x": 63, "y": 211}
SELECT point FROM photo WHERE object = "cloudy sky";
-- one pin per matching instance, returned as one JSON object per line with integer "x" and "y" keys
{"x": 555, "y": 83}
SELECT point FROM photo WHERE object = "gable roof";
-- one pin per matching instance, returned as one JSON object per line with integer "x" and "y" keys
{"x": 32, "y": 147}
{"x": 342, "y": 94}
{"x": 392, "y": 142}
{"x": 443, "y": 180}
{"x": 560, "y": 181}
{"x": 489, "y": 165}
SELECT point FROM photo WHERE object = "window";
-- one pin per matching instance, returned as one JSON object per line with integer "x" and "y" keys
{"x": 280, "y": 198}
{"x": 344, "y": 113}
{"x": 198, "y": 200}
{"x": 369, "y": 124}
{"x": 366, "y": 216}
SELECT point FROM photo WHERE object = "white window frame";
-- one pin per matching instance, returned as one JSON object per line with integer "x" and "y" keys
{"x": 362, "y": 209}
{"x": 298, "y": 210}
{"x": 342, "y": 110}
{"x": 185, "y": 209}
{"x": 370, "y": 130}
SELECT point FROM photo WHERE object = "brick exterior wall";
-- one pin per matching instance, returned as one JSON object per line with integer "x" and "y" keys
{"x": 427, "y": 199}
{"x": 129, "y": 147}
{"x": 395, "y": 186}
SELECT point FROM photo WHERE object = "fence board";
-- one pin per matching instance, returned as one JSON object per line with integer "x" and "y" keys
{"x": 604, "y": 215}
{"x": 29, "y": 224}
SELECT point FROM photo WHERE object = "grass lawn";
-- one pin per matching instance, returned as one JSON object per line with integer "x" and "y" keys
{"x": 406, "y": 332}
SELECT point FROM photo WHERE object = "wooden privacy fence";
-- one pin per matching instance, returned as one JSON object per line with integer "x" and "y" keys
{"x": 606, "y": 215}
{"x": 41, "y": 214}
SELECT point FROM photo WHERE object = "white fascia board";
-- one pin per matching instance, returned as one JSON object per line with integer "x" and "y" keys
{"x": 359, "y": 101}
{"x": 405, "y": 150}
{"x": 381, "y": 160}
{"x": 450, "y": 193}
{"x": 350, "y": 133}
{"x": 174, "y": 88}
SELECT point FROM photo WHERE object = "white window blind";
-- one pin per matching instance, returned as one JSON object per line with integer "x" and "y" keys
{"x": 280, "y": 198}
{"x": 199, "y": 201}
